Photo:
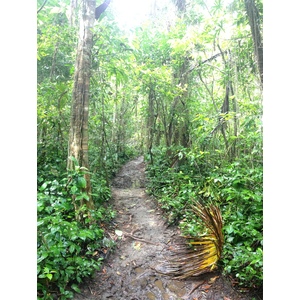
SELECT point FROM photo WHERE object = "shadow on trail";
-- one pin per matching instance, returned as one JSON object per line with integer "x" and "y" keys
{"x": 143, "y": 240}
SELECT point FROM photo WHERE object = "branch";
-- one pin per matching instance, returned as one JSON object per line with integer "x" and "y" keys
{"x": 207, "y": 60}
{"x": 215, "y": 56}
{"x": 101, "y": 8}
{"x": 42, "y": 6}
{"x": 139, "y": 239}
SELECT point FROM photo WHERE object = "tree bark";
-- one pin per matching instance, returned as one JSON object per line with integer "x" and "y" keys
{"x": 73, "y": 7}
{"x": 181, "y": 6}
{"x": 151, "y": 121}
{"x": 254, "y": 21}
{"x": 78, "y": 137}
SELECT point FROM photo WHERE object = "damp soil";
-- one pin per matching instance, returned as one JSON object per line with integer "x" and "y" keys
{"x": 143, "y": 241}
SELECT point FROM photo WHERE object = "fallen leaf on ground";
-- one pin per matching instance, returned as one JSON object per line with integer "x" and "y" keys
{"x": 137, "y": 246}
{"x": 206, "y": 287}
{"x": 118, "y": 232}
{"x": 212, "y": 280}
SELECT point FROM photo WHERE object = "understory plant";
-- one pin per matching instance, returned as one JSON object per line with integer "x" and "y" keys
{"x": 236, "y": 188}
{"x": 199, "y": 254}
{"x": 68, "y": 249}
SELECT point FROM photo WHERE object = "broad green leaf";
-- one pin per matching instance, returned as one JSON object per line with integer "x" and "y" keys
{"x": 74, "y": 189}
{"x": 229, "y": 229}
{"x": 44, "y": 185}
{"x": 81, "y": 182}
{"x": 72, "y": 248}
{"x": 49, "y": 275}
{"x": 40, "y": 223}
{"x": 82, "y": 196}
{"x": 42, "y": 257}
{"x": 75, "y": 288}
{"x": 85, "y": 196}
{"x": 74, "y": 160}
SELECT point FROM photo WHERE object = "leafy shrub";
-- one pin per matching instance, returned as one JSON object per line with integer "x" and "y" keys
{"x": 243, "y": 217}
{"x": 68, "y": 250}
{"x": 236, "y": 188}
{"x": 176, "y": 182}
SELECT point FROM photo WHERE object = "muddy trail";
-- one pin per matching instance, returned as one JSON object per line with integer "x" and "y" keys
{"x": 143, "y": 239}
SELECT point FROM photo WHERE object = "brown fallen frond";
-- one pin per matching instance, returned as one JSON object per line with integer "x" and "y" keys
{"x": 199, "y": 254}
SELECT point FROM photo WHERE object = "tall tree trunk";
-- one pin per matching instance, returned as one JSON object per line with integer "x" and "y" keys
{"x": 151, "y": 121}
{"x": 254, "y": 21}
{"x": 73, "y": 7}
{"x": 78, "y": 137}
{"x": 225, "y": 107}
{"x": 181, "y": 6}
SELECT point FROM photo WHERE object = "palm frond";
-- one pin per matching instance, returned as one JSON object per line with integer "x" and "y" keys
{"x": 200, "y": 254}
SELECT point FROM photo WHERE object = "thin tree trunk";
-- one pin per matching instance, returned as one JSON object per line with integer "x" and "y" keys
{"x": 53, "y": 65}
{"x": 181, "y": 131}
{"x": 181, "y": 6}
{"x": 254, "y": 22}
{"x": 151, "y": 121}
{"x": 210, "y": 92}
{"x": 230, "y": 90}
{"x": 73, "y": 7}
{"x": 78, "y": 137}
{"x": 222, "y": 119}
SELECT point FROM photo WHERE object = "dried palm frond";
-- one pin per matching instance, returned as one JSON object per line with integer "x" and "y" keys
{"x": 199, "y": 254}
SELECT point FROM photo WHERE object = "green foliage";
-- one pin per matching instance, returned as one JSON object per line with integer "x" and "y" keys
{"x": 174, "y": 181}
{"x": 241, "y": 188}
{"x": 147, "y": 91}
{"x": 235, "y": 187}
{"x": 70, "y": 237}
{"x": 201, "y": 252}
{"x": 68, "y": 250}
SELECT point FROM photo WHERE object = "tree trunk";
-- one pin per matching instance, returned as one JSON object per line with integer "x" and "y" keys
{"x": 151, "y": 121}
{"x": 181, "y": 6}
{"x": 253, "y": 17}
{"x": 73, "y": 7}
{"x": 78, "y": 137}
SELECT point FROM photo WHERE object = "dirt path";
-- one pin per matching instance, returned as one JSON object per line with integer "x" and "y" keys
{"x": 143, "y": 238}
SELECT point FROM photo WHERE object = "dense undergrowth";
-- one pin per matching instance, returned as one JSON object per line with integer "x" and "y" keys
{"x": 234, "y": 186}
{"x": 71, "y": 242}
{"x": 190, "y": 83}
